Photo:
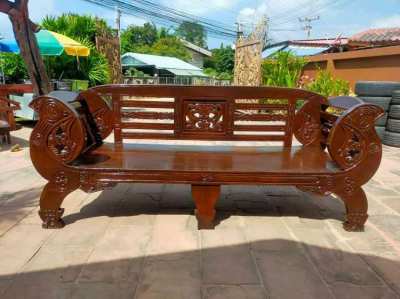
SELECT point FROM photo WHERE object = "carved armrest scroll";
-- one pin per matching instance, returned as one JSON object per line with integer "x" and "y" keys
{"x": 100, "y": 111}
{"x": 353, "y": 142}
{"x": 58, "y": 138}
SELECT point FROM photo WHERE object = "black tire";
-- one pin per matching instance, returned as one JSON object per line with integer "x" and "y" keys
{"x": 382, "y": 121}
{"x": 393, "y": 125}
{"x": 396, "y": 97}
{"x": 394, "y": 111}
{"x": 383, "y": 102}
{"x": 376, "y": 88}
{"x": 391, "y": 139}
{"x": 380, "y": 131}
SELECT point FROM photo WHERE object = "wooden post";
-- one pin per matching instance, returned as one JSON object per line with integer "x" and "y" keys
{"x": 24, "y": 31}
{"x": 248, "y": 59}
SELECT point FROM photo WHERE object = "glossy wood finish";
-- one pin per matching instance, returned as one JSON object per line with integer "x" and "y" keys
{"x": 66, "y": 144}
{"x": 205, "y": 198}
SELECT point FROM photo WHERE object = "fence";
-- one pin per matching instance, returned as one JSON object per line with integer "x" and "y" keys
{"x": 376, "y": 64}
{"x": 175, "y": 81}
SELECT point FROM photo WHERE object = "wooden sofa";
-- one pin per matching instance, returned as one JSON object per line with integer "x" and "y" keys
{"x": 338, "y": 153}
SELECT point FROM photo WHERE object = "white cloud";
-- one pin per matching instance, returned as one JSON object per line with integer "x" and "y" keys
{"x": 280, "y": 11}
{"x": 392, "y": 21}
{"x": 199, "y": 7}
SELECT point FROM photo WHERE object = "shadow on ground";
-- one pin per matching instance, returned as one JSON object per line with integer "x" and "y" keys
{"x": 218, "y": 272}
{"x": 272, "y": 201}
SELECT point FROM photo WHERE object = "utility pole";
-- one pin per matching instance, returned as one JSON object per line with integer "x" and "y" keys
{"x": 308, "y": 27}
{"x": 118, "y": 20}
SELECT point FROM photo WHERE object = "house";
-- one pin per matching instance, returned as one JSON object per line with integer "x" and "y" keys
{"x": 371, "y": 55}
{"x": 308, "y": 47}
{"x": 198, "y": 54}
{"x": 161, "y": 69}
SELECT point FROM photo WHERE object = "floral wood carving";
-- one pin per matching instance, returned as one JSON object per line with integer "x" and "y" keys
{"x": 59, "y": 132}
{"x": 352, "y": 140}
{"x": 61, "y": 181}
{"x": 52, "y": 218}
{"x": 91, "y": 186}
{"x": 204, "y": 116}
{"x": 322, "y": 186}
{"x": 307, "y": 124}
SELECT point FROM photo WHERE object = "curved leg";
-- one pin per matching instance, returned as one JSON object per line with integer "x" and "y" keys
{"x": 50, "y": 202}
{"x": 356, "y": 209}
{"x": 205, "y": 198}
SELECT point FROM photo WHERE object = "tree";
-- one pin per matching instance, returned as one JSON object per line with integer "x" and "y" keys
{"x": 138, "y": 38}
{"x": 170, "y": 46}
{"x": 220, "y": 65}
{"x": 193, "y": 32}
{"x": 76, "y": 26}
{"x": 24, "y": 30}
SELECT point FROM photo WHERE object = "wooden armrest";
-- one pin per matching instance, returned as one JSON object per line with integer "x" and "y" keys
{"x": 9, "y": 105}
{"x": 352, "y": 140}
{"x": 58, "y": 138}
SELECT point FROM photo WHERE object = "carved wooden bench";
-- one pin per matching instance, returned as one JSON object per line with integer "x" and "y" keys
{"x": 338, "y": 154}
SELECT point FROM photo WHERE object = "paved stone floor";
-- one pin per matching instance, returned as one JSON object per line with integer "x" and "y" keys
{"x": 141, "y": 241}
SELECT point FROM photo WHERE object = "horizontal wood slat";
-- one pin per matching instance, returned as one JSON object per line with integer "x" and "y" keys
{"x": 261, "y": 117}
{"x": 148, "y": 104}
{"x": 262, "y": 128}
{"x": 258, "y": 137}
{"x": 147, "y": 126}
{"x": 148, "y": 115}
{"x": 130, "y": 135}
{"x": 261, "y": 106}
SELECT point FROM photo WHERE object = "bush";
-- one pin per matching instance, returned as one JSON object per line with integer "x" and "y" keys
{"x": 283, "y": 69}
{"x": 327, "y": 86}
{"x": 14, "y": 67}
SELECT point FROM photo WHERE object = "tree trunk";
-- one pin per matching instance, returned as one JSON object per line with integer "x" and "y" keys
{"x": 24, "y": 31}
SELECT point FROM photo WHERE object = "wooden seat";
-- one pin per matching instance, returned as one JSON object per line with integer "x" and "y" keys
{"x": 340, "y": 151}
{"x": 228, "y": 159}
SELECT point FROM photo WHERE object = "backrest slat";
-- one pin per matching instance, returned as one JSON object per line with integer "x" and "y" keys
{"x": 205, "y": 113}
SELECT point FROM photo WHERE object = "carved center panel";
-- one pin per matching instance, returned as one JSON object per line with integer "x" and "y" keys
{"x": 204, "y": 116}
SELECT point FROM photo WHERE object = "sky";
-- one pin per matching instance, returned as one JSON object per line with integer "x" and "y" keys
{"x": 336, "y": 17}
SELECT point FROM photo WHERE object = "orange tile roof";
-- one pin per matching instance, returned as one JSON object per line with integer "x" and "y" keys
{"x": 382, "y": 36}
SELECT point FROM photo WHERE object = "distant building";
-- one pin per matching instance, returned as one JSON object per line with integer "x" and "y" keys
{"x": 161, "y": 69}
{"x": 198, "y": 54}
{"x": 371, "y": 55}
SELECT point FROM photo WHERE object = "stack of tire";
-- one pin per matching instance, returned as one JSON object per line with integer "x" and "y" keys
{"x": 392, "y": 134}
{"x": 380, "y": 93}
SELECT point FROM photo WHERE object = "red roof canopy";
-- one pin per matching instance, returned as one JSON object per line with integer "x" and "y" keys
{"x": 377, "y": 37}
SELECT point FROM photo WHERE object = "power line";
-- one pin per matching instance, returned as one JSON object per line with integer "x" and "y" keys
{"x": 164, "y": 15}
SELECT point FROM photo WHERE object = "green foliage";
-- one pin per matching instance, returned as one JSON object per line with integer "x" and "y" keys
{"x": 193, "y": 32}
{"x": 221, "y": 64}
{"x": 283, "y": 69}
{"x": 132, "y": 72}
{"x": 327, "y": 86}
{"x": 147, "y": 39}
{"x": 76, "y": 26}
{"x": 139, "y": 39}
{"x": 220, "y": 76}
{"x": 14, "y": 67}
{"x": 83, "y": 29}
{"x": 170, "y": 46}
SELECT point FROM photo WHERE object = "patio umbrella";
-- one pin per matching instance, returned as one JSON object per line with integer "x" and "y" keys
{"x": 50, "y": 44}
